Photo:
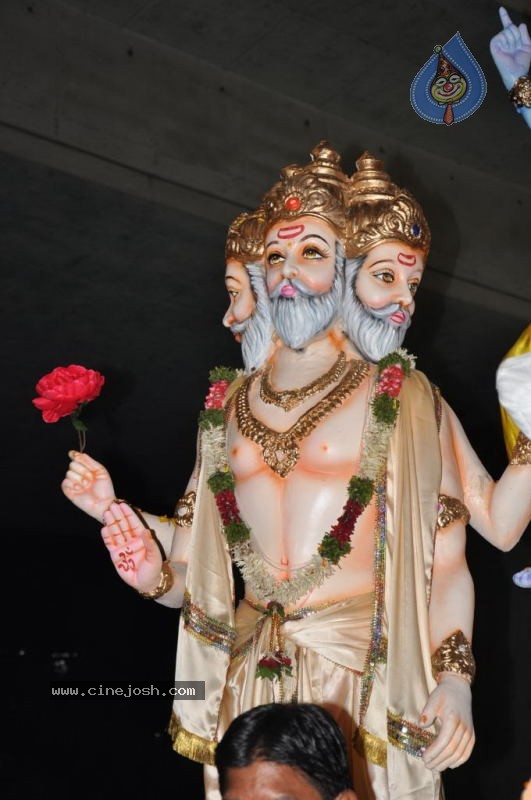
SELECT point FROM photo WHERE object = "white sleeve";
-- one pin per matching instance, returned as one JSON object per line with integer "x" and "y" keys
{"x": 513, "y": 382}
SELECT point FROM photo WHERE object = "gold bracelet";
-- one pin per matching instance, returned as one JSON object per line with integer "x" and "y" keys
{"x": 454, "y": 655}
{"x": 450, "y": 510}
{"x": 520, "y": 94}
{"x": 184, "y": 510}
{"x": 164, "y": 585}
{"x": 521, "y": 456}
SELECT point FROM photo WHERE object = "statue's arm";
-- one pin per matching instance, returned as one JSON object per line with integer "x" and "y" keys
{"x": 451, "y": 609}
{"x": 511, "y": 52}
{"x": 137, "y": 555}
{"x": 500, "y": 511}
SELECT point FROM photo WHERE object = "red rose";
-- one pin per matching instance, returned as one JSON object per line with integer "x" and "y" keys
{"x": 66, "y": 388}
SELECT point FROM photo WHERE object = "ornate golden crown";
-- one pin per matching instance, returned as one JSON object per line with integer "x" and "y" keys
{"x": 319, "y": 189}
{"x": 245, "y": 237}
{"x": 382, "y": 212}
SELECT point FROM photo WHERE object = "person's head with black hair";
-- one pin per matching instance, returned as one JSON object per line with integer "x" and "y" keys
{"x": 284, "y": 751}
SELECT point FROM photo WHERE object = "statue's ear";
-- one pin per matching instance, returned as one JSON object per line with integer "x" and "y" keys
{"x": 347, "y": 794}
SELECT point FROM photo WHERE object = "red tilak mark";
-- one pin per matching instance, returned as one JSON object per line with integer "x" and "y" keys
{"x": 406, "y": 259}
{"x": 290, "y": 233}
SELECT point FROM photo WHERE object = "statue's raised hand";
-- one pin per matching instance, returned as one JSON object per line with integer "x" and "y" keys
{"x": 133, "y": 550}
{"x": 511, "y": 50}
{"x": 88, "y": 485}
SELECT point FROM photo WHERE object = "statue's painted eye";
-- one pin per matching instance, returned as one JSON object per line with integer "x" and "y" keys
{"x": 454, "y": 79}
{"x": 440, "y": 81}
{"x": 386, "y": 276}
{"x": 274, "y": 259}
{"x": 312, "y": 253}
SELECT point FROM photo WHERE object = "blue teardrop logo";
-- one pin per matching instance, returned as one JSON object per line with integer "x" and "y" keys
{"x": 450, "y": 86}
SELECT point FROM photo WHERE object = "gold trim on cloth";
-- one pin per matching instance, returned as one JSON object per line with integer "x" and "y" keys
{"x": 450, "y": 510}
{"x": 190, "y": 745}
{"x": 370, "y": 747}
{"x": 437, "y": 403}
{"x": 408, "y": 736}
{"x": 207, "y": 629}
{"x": 521, "y": 456}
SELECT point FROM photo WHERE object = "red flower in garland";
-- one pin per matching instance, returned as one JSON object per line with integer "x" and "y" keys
{"x": 216, "y": 394}
{"x": 273, "y": 665}
{"x": 390, "y": 380}
{"x": 227, "y": 506}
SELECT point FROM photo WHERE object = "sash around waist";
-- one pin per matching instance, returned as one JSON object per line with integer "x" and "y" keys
{"x": 340, "y": 631}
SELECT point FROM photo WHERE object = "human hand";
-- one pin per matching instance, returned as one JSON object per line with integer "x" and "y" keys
{"x": 511, "y": 50}
{"x": 133, "y": 550}
{"x": 451, "y": 703}
{"x": 88, "y": 485}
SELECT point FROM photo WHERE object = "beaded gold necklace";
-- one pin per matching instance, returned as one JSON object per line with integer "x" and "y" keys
{"x": 289, "y": 399}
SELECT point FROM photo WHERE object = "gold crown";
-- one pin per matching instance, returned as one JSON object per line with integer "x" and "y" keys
{"x": 245, "y": 237}
{"x": 382, "y": 212}
{"x": 318, "y": 189}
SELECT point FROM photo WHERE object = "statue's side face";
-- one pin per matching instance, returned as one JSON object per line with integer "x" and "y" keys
{"x": 390, "y": 274}
{"x": 300, "y": 250}
{"x": 242, "y": 301}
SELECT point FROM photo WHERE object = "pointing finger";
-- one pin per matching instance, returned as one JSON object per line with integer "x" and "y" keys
{"x": 504, "y": 17}
{"x": 524, "y": 33}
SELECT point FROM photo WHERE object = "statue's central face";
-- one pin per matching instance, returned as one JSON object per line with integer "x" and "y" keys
{"x": 300, "y": 257}
{"x": 241, "y": 297}
{"x": 303, "y": 279}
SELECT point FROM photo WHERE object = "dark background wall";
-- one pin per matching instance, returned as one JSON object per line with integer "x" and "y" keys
{"x": 113, "y": 258}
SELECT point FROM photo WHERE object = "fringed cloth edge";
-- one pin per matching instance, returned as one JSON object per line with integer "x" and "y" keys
{"x": 190, "y": 744}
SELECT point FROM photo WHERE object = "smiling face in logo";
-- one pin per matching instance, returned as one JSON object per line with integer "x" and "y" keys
{"x": 448, "y": 88}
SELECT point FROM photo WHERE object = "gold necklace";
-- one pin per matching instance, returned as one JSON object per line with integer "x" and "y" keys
{"x": 290, "y": 398}
{"x": 280, "y": 449}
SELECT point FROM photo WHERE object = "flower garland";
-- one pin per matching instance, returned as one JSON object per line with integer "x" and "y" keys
{"x": 335, "y": 544}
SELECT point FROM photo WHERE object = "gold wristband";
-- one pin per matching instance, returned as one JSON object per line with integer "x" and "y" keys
{"x": 454, "y": 655}
{"x": 521, "y": 456}
{"x": 520, "y": 94}
{"x": 184, "y": 510}
{"x": 451, "y": 509}
{"x": 164, "y": 585}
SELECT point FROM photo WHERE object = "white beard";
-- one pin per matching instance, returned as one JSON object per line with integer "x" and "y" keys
{"x": 257, "y": 330}
{"x": 369, "y": 329}
{"x": 298, "y": 319}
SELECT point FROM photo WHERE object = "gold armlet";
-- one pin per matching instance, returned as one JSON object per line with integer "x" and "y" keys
{"x": 520, "y": 94}
{"x": 164, "y": 585}
{"x": 184, "y": 510}
{"x": 451, "y": 509}
{"x": 454, "y": 655}
{"x": 522, "y": 452}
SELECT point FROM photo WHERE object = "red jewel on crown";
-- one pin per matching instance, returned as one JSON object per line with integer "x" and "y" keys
{"x": 292, "y": 203}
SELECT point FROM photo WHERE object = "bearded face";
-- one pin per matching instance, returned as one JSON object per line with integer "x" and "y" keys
{"x": 248, "y": 315}
{"x": 378, "y": 302}
{"x": 304, "y": 268}
{"x": 257, "y": 330}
